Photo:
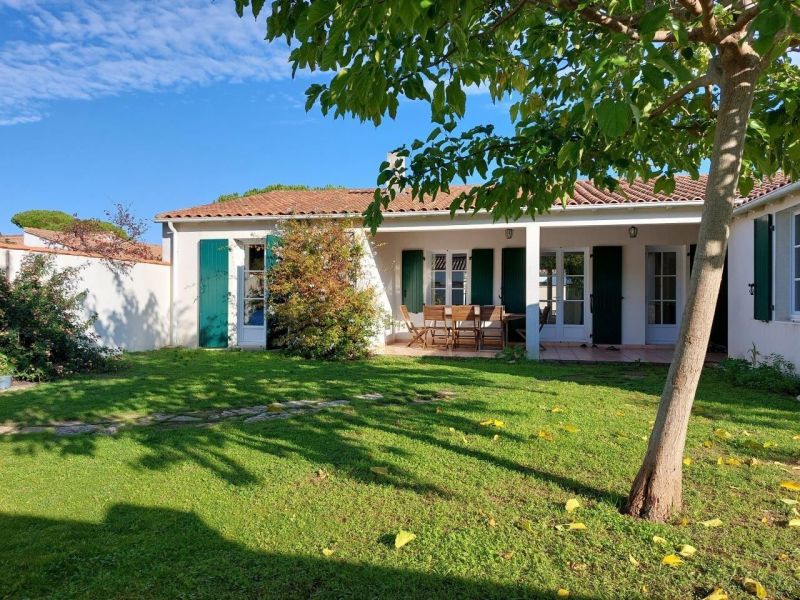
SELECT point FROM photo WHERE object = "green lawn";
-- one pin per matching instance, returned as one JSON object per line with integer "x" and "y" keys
{"x": 244, "y": 510}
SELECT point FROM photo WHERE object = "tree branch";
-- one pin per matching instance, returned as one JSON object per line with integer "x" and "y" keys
{"x": 701, "y": 81}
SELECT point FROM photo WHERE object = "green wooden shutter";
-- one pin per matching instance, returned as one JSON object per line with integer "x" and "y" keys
{"x": 412, "y": 280}
{"x": 762, "y": 268}
{"x": 213, "y": 293}
{"x": 269, "y": 251}
{"x": 482, "y": 276}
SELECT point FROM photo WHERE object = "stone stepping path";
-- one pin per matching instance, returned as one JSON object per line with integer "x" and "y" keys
{"x": 200, "y": 418}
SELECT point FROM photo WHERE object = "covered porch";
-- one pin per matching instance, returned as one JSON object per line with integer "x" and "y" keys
{"x": 611, "y": 277}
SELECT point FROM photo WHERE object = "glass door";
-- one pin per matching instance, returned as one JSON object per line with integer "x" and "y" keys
{"x": 562, "y": 294}
{"x": 663, "y": 291}
{"x": 253, "y": 302}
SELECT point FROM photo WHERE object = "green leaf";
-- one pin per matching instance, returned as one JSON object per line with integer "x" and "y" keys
{"x": 653, "y": 76}
{"x": 653, "y": 19}
{"x": 613, "y": 116}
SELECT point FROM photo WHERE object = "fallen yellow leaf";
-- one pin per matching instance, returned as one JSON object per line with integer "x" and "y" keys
{"x": 573, "y": 526}
{"x": 720, "y": 461}
{"x": 657, "y": 539}
{"x": 796, "y": 437}
{"x": 671, "y": 560}
{"x": 525, "y": 525}
{"x": 791, "y": 485}
{"x": 379, "y": 470}
{"x": 723, "y": 434}
{"x": 633, "y": 561}
{"x": 687, "y": 461}
{"x": 794, "y": 523}
{"x": 491, "y": 522}
{"x": 571, "y": 505}
{"x": 733, "y": 461}
{"x": 770, "y": 445}
{"x": 711, "y": 523}
{"x": 708, "y": 444}
{"x": 495, "y": 437}
{"x": 493, "y": 423}
{"x": 717, "y": 594}
{"x": 686, "y": 551}
{"x": 545, "y": 435}
{"x": 562, "y": 593}
{"x": 789, "y": 501}
{"x": 752, "y": 461}
{"x": 402, "y": 538}
{"x": 327, "y": 551}
{"x": 570, "y": 428}
{"x": 754, "y": 587}
{"x": 556, "y": 409}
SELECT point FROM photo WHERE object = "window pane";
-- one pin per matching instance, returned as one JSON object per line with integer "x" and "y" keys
{"x": 439, "y": 278}
{"x": 573, "y": 313}
{"x": 458, "y": 279}
{"x": 254, "y": 312}
{"x": 255, "y": 257}
{"x": 797, "y": 296}
{"x": 797, "y": 262}
{"x": 669, "y": 313}
{"x": 573, "y": 288}
{"x": 551, "y": 318}
{"x": 670, "y": 288}
{"x": 653, "y": 313}
{"x": 459, "y": 262}
{"x": 656, "y": 289}
{"x": 254, "y": 285}
{"x": 670, "y": 263}
{"x": 547, "y": 263}
{"x": 439, "y": 262}
{"x": 439, "y": 296}
{"x": 573, "y": 263}
{"x": 656, "y": 260}
{"x": 458, "y": 296}
{"x": 797, "y": 230}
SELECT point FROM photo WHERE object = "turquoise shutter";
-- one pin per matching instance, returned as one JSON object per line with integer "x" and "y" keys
{"x": 270, "y": 242}
{"x": 412, "y": 280}
{"x": 482, "y": 276}
{"x": 213, "y": 293}
{"x": 762, "y": 268}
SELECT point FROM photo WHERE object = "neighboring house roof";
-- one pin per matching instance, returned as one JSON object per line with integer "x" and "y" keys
{"x": 280, "y": 203}
{"x": 16, "y": 239}
{"x": 55, "y": 240}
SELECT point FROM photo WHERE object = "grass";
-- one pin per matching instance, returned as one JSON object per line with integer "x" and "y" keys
{"x": 244, "y": 510}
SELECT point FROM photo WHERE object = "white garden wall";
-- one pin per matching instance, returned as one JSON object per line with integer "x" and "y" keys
{"x": 132, "y": 310}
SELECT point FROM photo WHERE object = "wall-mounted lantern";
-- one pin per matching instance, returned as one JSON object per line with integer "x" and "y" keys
{"x": 509, "y": 233}
{"x": 633, "y": 231}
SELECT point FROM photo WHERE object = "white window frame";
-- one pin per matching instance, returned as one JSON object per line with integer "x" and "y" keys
{"x": 794, "y": 268}
{"x": 244, "y": 297}
{"x": 449, "y": 275}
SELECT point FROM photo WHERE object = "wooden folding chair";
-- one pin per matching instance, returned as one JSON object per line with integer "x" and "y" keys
{"x": 466, "y": 322}
{"x": 492, "y": 326}
{"x": 436, "y": 323}
{"x": 544, "y": 315}
{"x": 418, "y": 334}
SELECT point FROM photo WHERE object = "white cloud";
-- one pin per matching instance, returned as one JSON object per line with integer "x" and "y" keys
{"x": 86, "y": 49}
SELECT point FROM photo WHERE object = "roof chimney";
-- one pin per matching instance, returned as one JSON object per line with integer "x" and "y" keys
{"x": 392, "y": 159}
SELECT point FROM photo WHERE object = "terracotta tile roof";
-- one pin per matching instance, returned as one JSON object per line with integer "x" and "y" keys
{"x": 353, "y": 202}
{"x": 71, "y": 242}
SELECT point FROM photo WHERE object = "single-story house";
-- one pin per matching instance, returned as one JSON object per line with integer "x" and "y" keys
{"x": 613, "y": 268}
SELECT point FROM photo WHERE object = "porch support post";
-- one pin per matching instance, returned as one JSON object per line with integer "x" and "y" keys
{"x": 532, "y": 290}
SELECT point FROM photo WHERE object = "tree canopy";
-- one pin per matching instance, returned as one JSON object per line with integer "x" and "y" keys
{"x": 56, "y": 220}
{"x": 603, "y": 90}
{"x": 271, "y": 188}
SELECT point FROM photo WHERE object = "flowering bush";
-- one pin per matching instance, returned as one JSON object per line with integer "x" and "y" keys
{"x": 318, "y": 303}
{"x": 42, "y": 328}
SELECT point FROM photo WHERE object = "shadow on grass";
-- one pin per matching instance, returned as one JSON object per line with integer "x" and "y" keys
{"x": 141, "y": 552}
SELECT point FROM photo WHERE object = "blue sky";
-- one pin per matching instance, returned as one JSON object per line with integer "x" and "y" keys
{"x": 164, "y": 104}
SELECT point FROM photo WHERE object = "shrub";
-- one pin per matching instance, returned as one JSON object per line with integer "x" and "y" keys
{"x": 317, "y": 298}
{"x": 42, "y": 327}
{"x": 773, "y": 374}
{"x": 6, "y": 368}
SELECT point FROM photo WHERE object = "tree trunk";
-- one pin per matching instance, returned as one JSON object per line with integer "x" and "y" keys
{"x": 656, "y": 491}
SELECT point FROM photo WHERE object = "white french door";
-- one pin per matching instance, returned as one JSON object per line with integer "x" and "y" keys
{"x": 252, "y": 297}
{"x": 664, "y": 288}
{"x": 562, "y": 294}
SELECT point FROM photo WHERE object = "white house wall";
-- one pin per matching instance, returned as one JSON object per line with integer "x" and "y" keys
{"x": 391, "y": 245}
{"x": 781, "y": 335}
{"x": 132, "y": 310}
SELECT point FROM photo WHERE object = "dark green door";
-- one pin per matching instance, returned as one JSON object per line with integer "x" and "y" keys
{"x": 412, "y": 280}
{"x": 719, "y": 327}
{"x": 482, "y": 276}
{"x": 606, "y": 298}
{"x": 512, "y": 291}
{"x": 213, "y": 293}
